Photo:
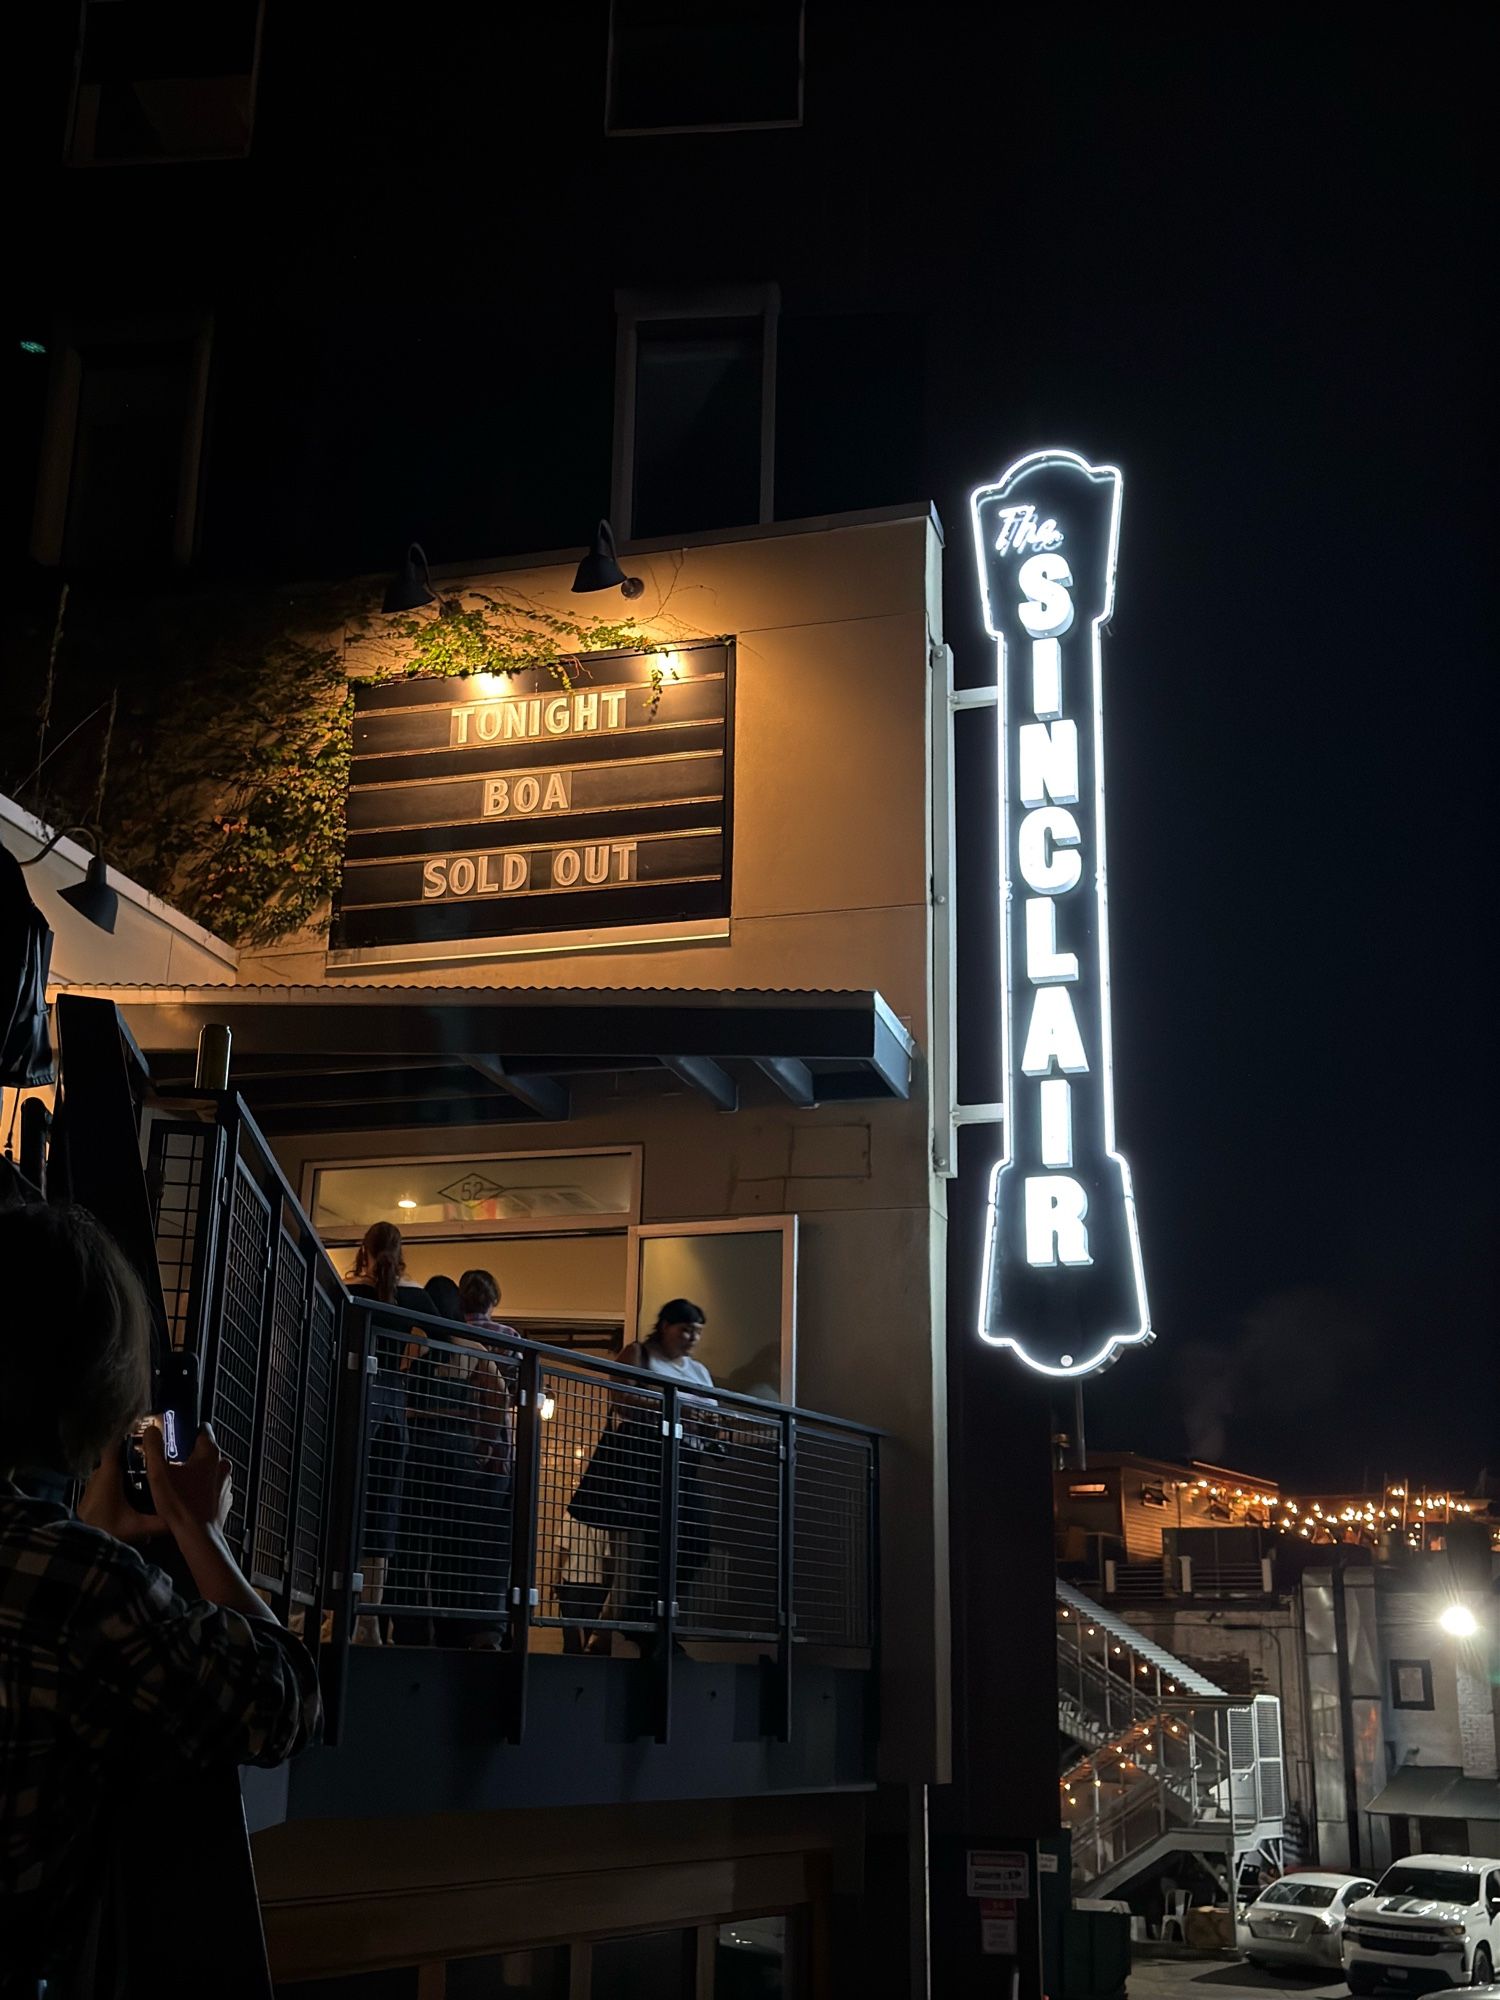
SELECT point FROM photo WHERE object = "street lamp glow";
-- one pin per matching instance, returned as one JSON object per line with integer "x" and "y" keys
{"x": 1459, "y": 1622}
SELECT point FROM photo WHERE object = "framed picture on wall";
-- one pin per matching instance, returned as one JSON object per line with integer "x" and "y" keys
{"x": 1411, "y": 1684}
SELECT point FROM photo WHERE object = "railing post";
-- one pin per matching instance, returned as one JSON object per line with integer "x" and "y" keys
{"x": 521, "y": 1584}
{"x": 786, "y": 1619}
{"x": 348, "y": 1466}
{"x": 666, "y": 1576}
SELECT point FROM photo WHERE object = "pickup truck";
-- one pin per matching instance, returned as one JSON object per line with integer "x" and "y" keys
{"x": 1432, "y": 1921}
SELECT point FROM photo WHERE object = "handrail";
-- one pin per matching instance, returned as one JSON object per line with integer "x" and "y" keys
{"x": 599, "y": 1363}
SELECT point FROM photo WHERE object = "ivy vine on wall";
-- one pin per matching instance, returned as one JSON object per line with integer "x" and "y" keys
{"x": 267, "y": 859}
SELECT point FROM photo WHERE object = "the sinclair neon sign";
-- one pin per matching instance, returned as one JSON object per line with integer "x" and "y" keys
{"x": 1062, "y": 1281}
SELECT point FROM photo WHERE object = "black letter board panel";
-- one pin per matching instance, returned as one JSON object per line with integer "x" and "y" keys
{"x": 493, "y": 805}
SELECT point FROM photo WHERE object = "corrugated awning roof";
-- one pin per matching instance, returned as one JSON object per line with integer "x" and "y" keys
{"x": 1438, "y": 1791}
{"x": 372, "y": 1056}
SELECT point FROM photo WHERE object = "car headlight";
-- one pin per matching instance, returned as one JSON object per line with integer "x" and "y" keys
{"x": 1455, "y": 1930}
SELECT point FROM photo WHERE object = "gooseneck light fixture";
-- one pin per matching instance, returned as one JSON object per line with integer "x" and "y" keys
{"x": 412, "y": 586}
{"x": 92, "y": 898}
{"x": 600, "y": 568}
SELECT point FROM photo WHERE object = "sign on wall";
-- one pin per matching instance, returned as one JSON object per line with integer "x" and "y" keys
{"x": 1062, "y": 1282}
{"x": 491, "y": 806}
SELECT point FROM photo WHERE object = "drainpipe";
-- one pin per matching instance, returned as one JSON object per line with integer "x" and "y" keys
{"x": 1346, "y": 1715}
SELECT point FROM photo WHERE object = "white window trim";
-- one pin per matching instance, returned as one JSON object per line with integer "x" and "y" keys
{"x": 49, "y": 523}
{"x": 741, "y": 1225}
{"x": 613, "y": 131}
{"x": 636, "y": 308}
{"x": 88, "y": 161}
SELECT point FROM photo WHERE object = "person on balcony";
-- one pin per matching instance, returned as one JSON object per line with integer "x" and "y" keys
{"x": 380, "y": 1274}
{"x": 108, "y": 1677}
{"x": 620, "y": 1489}
{"x": 458, "y": 1481}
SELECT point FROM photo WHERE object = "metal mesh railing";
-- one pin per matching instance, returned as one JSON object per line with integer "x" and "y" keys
{"x": 599, "y": 1502}
{"x": 317, "y": 1443}
{"x": 729, "y": 1556}
{"x": 272, "y": 1531}
{"x": 438, "y": 1516}
{"x": 178, "y": 1153}
{"x": 452, "y": 1487}
{"x": 237, "y": 1353}
{"x": 833, "y": 1520}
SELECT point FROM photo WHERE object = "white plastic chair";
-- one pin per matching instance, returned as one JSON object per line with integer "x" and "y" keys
{"x": 1177, "y": 1909}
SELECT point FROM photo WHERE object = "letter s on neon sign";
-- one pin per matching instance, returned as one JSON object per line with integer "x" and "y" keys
{"x": 1048, "y": 610}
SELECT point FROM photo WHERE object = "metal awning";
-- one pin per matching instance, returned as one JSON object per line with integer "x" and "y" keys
{"x": 372, "y": 1057}
{"x": 1438, "y": 1791}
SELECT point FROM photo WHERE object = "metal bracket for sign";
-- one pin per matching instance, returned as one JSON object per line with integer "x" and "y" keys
{"x": 948, "y": 1115}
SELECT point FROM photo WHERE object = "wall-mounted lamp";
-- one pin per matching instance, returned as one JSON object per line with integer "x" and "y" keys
{"x": 600, "y": 568}
{"x": 412, "y": 586}
{"x": 1459, "y": 1622}
{"x": 92, "y": 898}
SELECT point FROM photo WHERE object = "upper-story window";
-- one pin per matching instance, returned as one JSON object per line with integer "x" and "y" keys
{"x": 683, "y": 66}
{"x": 123, "y": 444}
{"x": 695, "y": 410}
{"x": 161, "y": 80}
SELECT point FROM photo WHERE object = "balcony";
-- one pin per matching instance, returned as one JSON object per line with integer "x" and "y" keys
{"x": 486, "y": 1514}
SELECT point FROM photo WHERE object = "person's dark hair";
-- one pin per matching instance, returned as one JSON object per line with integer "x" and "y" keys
{"x": 381, "y": 1261}
{"x": 678, "y": 1312}
{"x": 75, "y": 1371}
{"x": 478, "y": 1291}
{"x": 444, "y": 1295}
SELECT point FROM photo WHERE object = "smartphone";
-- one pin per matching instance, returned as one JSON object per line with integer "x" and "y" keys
{"x": 175, "y": 1414}
{"x": 177, "y": 1406}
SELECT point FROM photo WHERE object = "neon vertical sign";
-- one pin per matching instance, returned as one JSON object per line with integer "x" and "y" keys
{"x": 1062, "y": 1281}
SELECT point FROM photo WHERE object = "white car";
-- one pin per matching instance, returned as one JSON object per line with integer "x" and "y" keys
{"x": 1434, "y": 1920}
{"x": 1299, "y": 1919}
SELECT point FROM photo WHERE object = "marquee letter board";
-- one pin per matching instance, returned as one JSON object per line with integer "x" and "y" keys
{"x": 490, "y": 806}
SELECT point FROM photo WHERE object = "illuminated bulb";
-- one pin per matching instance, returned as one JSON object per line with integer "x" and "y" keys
{"x": 406, "y": 1202}
{"x": 546, "y": 1409}
{"x": 1459, "y": 1622}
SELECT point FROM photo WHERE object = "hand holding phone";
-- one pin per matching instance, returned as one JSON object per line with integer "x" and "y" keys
{"x": 174, "y": 1413}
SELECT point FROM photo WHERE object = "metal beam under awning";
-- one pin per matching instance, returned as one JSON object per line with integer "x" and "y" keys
{"x": 352, "y": 1058}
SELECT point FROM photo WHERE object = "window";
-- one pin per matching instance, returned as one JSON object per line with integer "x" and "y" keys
{"x": 752, "y": 1960}
{"x": 123, "y": 444}
{"x": 681, "y": 66}
{"x": 1354, "y": 1891}
{"x": 658, "y": 1965}
{"x": 164, "y": 80}
{"x": 1411, "y": 1684}
{"x": 695, "y": 403}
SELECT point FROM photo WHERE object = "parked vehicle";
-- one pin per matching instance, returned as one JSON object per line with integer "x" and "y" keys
{"x": 1299, "y": 1920}
{"x": 1434, "y": 1920}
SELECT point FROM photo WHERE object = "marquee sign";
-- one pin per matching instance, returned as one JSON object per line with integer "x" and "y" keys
{"x": 491, "y": 806}
{"x": 1062, "y": 1282}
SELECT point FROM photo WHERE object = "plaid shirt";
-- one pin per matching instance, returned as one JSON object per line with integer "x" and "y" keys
{"x": 104, "y": 1673}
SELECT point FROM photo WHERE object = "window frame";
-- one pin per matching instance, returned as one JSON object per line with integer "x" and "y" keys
{"x": 613, "y": 131}
{"x": 615, "y": 1223}
{"x": 54, "y": 486}
{"x": 637, "y": 308}
{"x": 91, "y": 164}
{"x": 785, "y": 1227}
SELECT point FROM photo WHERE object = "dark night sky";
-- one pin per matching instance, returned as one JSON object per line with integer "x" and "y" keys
{"x": 1243, "y": 263}
{"x": 1257, "y": 292}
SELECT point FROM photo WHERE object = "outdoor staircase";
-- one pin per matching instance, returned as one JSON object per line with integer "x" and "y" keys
{"x": 1156, "y": 1760}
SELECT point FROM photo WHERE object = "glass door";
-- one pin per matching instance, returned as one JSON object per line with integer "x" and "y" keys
{"x": 744, "y": 1276}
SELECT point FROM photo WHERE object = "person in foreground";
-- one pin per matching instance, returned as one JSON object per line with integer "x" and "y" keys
{"x": 107, "y": 1675}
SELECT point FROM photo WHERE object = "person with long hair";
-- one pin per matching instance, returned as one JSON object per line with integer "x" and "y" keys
{"x": 109, "y": 1679}
{"x": 379, "y": 1274}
